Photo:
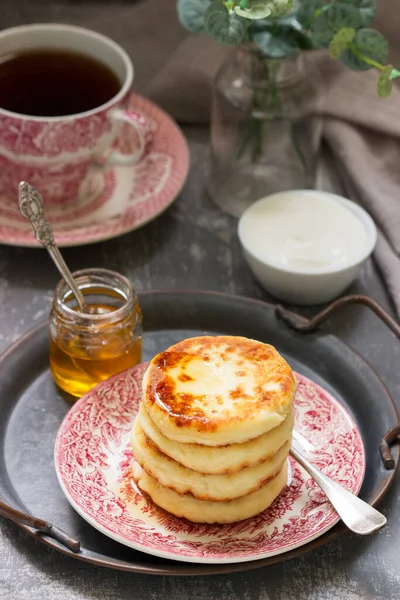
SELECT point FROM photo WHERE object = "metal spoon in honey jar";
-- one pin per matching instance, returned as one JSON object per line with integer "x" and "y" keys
{"x": 31, "y": 206}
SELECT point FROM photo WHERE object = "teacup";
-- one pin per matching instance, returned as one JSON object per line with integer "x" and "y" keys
{"x": 54, "y": 153}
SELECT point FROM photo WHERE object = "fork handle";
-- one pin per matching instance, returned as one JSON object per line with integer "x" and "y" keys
{"x": 357, "y": 515}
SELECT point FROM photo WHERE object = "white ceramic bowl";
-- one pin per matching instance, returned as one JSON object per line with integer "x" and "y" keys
{"x": 305, "y": 286}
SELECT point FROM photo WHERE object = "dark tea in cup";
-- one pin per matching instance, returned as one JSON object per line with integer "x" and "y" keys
{"x": 54, "y": 83}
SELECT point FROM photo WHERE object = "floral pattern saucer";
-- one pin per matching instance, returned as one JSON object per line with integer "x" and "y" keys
{"x": 114, "y": 200}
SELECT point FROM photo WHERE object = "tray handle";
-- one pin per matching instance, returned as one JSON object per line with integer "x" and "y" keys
{"x": 304, "y": 325}
{"x": 41, "y": 526}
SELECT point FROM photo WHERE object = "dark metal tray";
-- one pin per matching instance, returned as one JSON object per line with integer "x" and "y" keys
{"x": 32, "y": 409}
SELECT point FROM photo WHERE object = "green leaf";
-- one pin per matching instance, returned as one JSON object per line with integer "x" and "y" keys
{"x": 307, "y": 12}
{"x": 369, "y": 43}
{"x": 341, "y": 41}
{"x": 331, "y": 21}
{"x": 274, "y": 47}
{"x": 385, "y": 83}
{"x": 260, "y": 9}
{"x": 223, "y": 26}
{"x": 367, "y": 9}
{"x": 278, "y": 41}
{"x": 289, "y": 19}
{"x": 280, "y": 7}
{"x": 191, "y": 13}
{"x": 395, "y": 73}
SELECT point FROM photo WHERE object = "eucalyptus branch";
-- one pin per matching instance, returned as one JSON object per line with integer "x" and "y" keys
{"x": 317, "y": 13}
{"x": 368, "y": 61}
{"x": 281, "y": 27}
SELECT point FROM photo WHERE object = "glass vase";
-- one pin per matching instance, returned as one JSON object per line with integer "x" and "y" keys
{"x": 264, "y": 132}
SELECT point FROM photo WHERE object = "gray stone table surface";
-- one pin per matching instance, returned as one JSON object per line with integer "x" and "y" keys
{"x": 192, "y": 245}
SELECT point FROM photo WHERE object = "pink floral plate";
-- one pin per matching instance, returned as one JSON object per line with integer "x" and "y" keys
{"x": 115, "y": 200}
{"x": 93, "y": 464}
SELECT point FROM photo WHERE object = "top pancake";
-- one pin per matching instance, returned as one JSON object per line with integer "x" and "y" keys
{"x": 218, "y": 390}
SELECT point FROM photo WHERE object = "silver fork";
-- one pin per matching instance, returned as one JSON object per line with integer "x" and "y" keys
{"x": 356, "y": 514}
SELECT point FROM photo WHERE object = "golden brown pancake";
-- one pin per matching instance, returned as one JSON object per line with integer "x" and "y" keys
{"x": 202, "y": 511}
{"x": 217, "y": 488}
{"x": 218, "y": 390}
{"x": 217, "y": 460}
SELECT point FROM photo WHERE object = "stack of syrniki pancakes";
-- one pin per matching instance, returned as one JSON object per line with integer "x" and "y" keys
{"x": 213, "y": 431}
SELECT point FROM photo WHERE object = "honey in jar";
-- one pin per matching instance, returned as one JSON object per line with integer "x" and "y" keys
{"x": 87, "y": 348}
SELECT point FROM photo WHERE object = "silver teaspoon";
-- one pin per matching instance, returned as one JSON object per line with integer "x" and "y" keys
{"x": 31, "y": 206}
{"x": 356, "y": 514}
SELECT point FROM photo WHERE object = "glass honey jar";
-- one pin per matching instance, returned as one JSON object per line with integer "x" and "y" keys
{"x": 87, "y": 348}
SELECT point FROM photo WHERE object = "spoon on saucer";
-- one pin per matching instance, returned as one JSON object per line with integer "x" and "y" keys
{"x": 357, "y": 515}
{"x": 31, "y": 206}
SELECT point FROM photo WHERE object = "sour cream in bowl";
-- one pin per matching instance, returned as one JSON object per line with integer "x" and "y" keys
{"x": 306, "y": 246}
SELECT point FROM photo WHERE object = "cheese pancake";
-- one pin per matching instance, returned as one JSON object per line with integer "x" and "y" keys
{"x": 202, "y": 511}
{"x": 217, "y": 460}
{"x": 216, "y": 488}
{"x": 218, "y": 390}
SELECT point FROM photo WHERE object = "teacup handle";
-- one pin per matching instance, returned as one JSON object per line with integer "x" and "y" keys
{"x": 142, "y": 129}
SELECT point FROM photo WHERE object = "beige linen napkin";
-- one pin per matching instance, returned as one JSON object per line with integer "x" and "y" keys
{"x": 363, "y": 132}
